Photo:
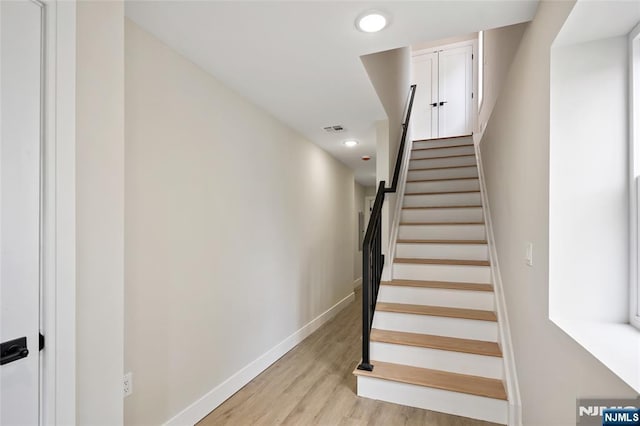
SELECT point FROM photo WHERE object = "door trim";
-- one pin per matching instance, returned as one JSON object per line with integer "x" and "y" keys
{"x": 470, "y": 42}
{"x": 58, "y": 289}
{"x": 474, "y": 70}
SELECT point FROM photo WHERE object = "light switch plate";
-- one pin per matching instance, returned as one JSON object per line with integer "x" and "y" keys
{"x": 529, "y": 254}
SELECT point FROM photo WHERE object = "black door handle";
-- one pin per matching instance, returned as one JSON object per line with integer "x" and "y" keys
{"x": 443, "y": 102}
{"x": 13, "y": 350}
{"x": 435, "y": 104}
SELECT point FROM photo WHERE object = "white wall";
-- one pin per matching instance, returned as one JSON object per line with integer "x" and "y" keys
{"x": 589, "y": 261}
{"x": 370, "y": 191}
{"x": 384, "y": 173}
{"x": 238, "y": 231}
{"x": 500, "y": 46}
{"x": 99, "y": 212}
{"x": 552, "y": 369}
{"x": 389, "y": 72}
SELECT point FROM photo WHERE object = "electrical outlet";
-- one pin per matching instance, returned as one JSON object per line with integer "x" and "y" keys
{"x": 127, "y": 384}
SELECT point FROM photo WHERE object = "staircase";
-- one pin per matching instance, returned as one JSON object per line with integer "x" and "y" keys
{"x": 433, "y": 341}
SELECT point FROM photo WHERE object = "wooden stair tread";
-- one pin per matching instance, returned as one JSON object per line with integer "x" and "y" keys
{"x": 442, "y": 168}
{"x": 460, "y": 262}
{"x": 437, "y": 311}
{"x": 447, "y": 285}
{"x": 443, "y": 138}
{"x": 445, "y": 343}
{"x": 442, "y": 147}
{"x": 440, "y": 223}
{"x": 410, "y": 241}
{"x": 444, "y": 156}
{"x": 442, "y": 180}
{"x": 468, "y": 206}
{"x": 443, "y": 193}
{"x": 455, "y": 382}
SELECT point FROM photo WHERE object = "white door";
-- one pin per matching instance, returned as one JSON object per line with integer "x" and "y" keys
{"x": 455, "y": 88}
{"x": 20, "y": 118}
{"x": 443, "y": 101}
{"x": 424, "y": 116}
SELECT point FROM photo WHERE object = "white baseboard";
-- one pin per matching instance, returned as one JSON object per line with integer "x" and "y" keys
{"x": 504, "y": 338}
{"x": 357, "y": 283}
{"x": 216, "y": 396}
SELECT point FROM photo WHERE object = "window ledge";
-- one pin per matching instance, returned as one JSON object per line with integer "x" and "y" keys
{"x": 617, "y": 346}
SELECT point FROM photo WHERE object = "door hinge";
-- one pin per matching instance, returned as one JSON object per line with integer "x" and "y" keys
{"x": 41, "y": 342}
{"x": 471, "y": 95}
{"x": 472, "y": 56}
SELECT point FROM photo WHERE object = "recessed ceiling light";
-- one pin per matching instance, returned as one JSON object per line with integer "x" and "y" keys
{"x": 371, "y": 22}
{"x": 350, "y": 143}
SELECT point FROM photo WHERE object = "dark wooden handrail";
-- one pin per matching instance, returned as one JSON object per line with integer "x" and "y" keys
{"x": 372, "y": 257}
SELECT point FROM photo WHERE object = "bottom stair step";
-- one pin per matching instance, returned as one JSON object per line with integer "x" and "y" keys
{"x": 463, "y": 383}
{"x": 458, "y": 394}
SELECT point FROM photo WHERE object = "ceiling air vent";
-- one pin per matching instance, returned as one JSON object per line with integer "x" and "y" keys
{"x": 334, "y": 129}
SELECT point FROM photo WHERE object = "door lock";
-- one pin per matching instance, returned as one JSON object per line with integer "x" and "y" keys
{"x": 13, "y": 350}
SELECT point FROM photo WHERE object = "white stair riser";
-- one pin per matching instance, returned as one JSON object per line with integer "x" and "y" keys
{"x": 443, "y": 251}
{"x": 435, "y": 359}
{"x": 471, "y": 171}
{"x": 454, "y": 273}
{"x": 441, "y": 232}
{"x": 466, "y": 199}
{"x": 467, "y": 299}
{"x": 441, "y": 143}
{"x": 443, "y": 186}
{"x": 459, "y": 404}
{"x": 443, "y": 162}
{"x": 467, "y": 214}
{"x": 443, "y": 152}
{"x": 439, "y": 326}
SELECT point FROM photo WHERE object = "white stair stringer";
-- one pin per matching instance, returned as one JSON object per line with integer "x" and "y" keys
{"x": 504, "y": 332}
{"x": 456, "y": 403}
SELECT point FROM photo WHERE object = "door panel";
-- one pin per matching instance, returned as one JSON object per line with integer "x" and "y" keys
{"x": 455, "y": 88}
{"x": 424, "y": 123}
{"x": 20, "y": 88}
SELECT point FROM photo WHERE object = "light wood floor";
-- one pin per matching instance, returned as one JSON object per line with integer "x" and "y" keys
{"x": 313, "y": 385}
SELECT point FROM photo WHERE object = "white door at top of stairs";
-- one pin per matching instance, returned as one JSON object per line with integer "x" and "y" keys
{"x": 20, "y": 208}
{"x": 444, "y": 95}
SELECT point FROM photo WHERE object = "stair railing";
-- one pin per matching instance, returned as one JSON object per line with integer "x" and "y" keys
{"x": 372, "y": 257}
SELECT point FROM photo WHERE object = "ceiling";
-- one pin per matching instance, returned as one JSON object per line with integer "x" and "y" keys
{"x": 595, "y": 20}
{"x": 300, "y": 60}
